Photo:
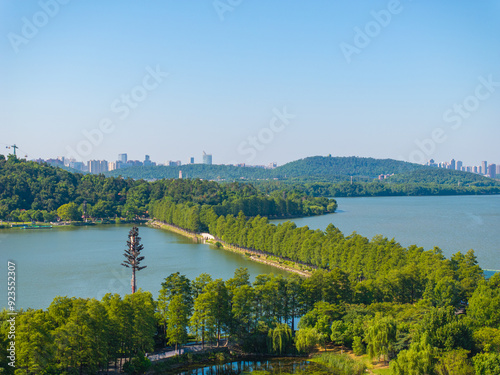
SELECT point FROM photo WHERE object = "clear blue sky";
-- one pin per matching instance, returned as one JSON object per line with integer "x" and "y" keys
{"x": 231, "y": 69}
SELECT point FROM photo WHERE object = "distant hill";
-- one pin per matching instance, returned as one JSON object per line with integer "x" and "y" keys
{"x": 332, "y": 167}
{"x": 311, "y": 168}
{"x": 320, "y": 169}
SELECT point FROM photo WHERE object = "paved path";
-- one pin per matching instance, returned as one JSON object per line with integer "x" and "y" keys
{"x": 171, "y": 352}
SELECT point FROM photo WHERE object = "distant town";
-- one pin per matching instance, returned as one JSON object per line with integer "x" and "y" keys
{"x": 102, "y": 166}
{"x": 485, "y": 169}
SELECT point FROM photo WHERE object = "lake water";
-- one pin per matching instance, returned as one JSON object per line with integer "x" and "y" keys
{"x": 453, "y": 223}
{"x": 273, "y": 366}
{"x": 85, "y": 262}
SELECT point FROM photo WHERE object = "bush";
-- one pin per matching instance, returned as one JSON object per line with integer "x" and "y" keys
{"x": 137, "y": 365}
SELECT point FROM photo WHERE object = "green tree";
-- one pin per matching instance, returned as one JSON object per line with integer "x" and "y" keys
{"x": 484, "y": 305}
{"x": 487, "y": 339}
{"x": 380, "y": 337}
{"x": 202, "y": 321}
{"x": 487, "y": 363}
{"x": 339, "y": 332}
{"x": 243, "y": 311}
{"x": 219, "y": 306}
{"x": 35, "y": 351}
{"x": 358, "y": 347}
{"x": 177, "y": 321}
{"x": 418, "y": 359}
{"x": 142, "y": 309}
{"x": 175, "y": 284}
{"x": 306, "y": 339}
{"x": 69, "y": 212}
{"x": 454, "y": 362}
{"x": 280, "y": 338}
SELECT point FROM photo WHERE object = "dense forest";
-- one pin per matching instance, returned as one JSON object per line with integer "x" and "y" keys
{"x": 334, "y": 171}
{"x": 316, "y": 167}
{"x": 31, "y": 191}
{"x": 376, "y": 188}
{"x": 381, "y": 267}
{"x": 428, "y": 336}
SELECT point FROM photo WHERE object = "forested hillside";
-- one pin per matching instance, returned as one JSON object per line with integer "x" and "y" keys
{"x": 316, "y": 167}
{"x": 331, "y": 167}
{"x": 32, "y": 191}
{"x": 331, "y": 177}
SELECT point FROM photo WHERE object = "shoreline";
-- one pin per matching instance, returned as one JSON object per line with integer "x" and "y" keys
{"x": 250, "y": 254}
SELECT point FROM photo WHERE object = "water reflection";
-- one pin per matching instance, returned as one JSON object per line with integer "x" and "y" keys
{"x": 274, "y": 366}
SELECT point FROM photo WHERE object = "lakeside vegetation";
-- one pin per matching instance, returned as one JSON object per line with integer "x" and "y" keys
{"x": 36, "y": 192}
{"x": 78, "y": 335}
{"x": 331, "y": 177}
{"x": 412, "y": 309}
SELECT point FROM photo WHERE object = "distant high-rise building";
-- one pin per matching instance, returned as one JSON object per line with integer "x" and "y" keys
{"x": 459, "y": 165}
{"x": 476, "y": 169}
{"x": 207, "y": 158}
{"x": 133, "y": 163}
{"x": 112, "y": 165}
{"x": 122, "y": 158}
{"x": 180, "y": 175}
{"x": 498, "y": 170}
{"x": 172, "y": 163}
{"x": 98, "y": 166}
{"x": 484, "y": 167}
{"x": 94, "y": 166}
{"x": 78, "y": 165}
{"x": 191, "y": 161}
{"x": 452, "y": 164}
{"x": 492, "y": 170}
{"x": 147, "y": 160}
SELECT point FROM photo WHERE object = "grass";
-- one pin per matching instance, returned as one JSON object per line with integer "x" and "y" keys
{"x": 341, "y": 364}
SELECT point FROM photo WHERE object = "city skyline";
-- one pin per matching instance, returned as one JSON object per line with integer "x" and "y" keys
{"x": 122, "y": 161}
{"x": 261, "y": 81}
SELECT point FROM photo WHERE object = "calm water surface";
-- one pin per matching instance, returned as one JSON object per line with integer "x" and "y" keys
{"x": 455, "y": 223}
{"x": 85, "y": 262}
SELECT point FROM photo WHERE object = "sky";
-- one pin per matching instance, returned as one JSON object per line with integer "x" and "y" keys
{"x": 251, "y": 81}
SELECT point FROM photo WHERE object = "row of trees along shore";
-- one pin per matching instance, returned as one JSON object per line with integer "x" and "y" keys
{"x": 85, "y": 336}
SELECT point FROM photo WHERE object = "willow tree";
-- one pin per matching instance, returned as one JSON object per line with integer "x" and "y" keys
{"x": 132, "y": 255}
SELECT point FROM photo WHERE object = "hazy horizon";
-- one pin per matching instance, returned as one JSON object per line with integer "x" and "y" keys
{"x": 251, "y": 82}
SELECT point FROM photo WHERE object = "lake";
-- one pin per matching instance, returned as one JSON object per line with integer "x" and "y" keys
{"x": 453, "y": 223}
{"x": 85, "y": 262}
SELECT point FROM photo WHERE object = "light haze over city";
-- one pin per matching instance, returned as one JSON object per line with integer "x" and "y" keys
{"x": 251, "y": 81}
